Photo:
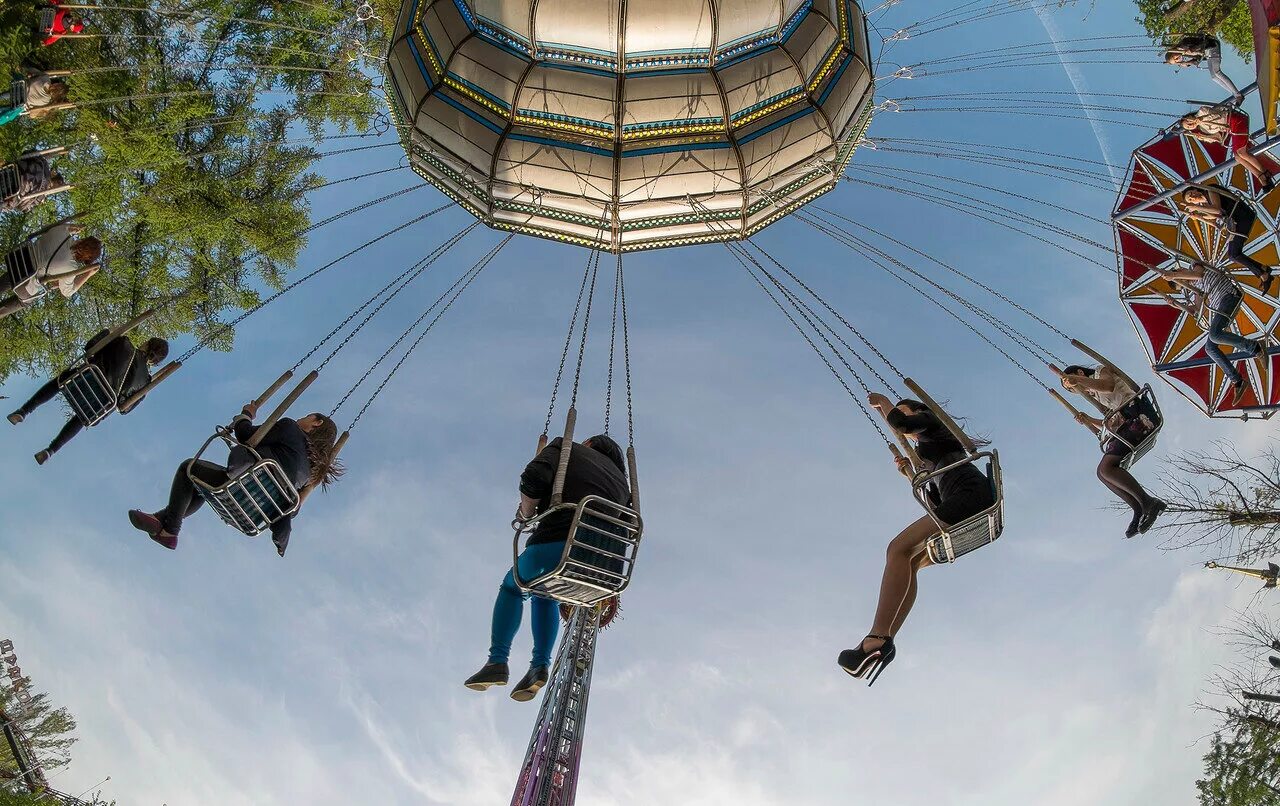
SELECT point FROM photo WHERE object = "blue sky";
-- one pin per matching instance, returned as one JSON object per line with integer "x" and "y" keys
{"x": 1057, "y": 667}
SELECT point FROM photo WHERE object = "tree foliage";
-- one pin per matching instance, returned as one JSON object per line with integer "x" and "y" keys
{"x": 1242, "y": 766}
{"x": 48, "y": 730}
{"x": 192, "y": 149}
{"x": 1227, "y": 19}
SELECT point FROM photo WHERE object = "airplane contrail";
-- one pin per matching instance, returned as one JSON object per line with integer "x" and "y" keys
{"x": 1082, "y": 89}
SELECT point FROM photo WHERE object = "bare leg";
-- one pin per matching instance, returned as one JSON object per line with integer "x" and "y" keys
{"x": 921, "y": 560}
{"x": 1252, "y": 164}
{"x": 897, "y": 584}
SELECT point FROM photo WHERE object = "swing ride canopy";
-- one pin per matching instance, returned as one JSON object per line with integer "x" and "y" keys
{"x": 1265, "y": 16}
{"x": 630, "y": 124}
{"x": 1150, "y": 236}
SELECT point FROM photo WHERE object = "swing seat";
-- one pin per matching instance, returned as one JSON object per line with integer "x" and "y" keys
{"x": 1146, "y": 404}
{"x": 254, "y": 499}
{"x": 974, "y": 532}
{"x": 21, "y": 267}
{"x": 47, "y": 16}
{"x": 89, "y": 395}
{"x": 9, "y": 182}
{"x": 598, "y": 557}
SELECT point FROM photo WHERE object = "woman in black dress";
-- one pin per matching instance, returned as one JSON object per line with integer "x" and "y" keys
{"x": 960, "y": 493}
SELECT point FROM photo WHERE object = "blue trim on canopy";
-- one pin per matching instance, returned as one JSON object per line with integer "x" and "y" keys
{"x": 831, "y": 85}
{"x": 641, "y": 152}
{"x": 488, "y": 124}
{"x": 808, "y": 110}
{"x": 546, "y": 141}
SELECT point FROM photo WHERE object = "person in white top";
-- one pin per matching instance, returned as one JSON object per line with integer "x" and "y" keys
{"x": 44, "y": 96}
{"x": 1130, "y": 419}
{"x": 60, "y": 259}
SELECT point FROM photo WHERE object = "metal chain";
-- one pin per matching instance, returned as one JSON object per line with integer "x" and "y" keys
{"x": 200, "y": 345}
{"x": 412, "y": 273}
{"x": 462, "y": 281}
{"x": 843, "y": 321}
{"x": 586, "y": 324}
{"x": 613, "y": 334}
{"x": 626, "y": 351}
{"x": 568, "y": 339}
{"x": 733, "y": 250}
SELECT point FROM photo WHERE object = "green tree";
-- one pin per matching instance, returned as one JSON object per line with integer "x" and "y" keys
{"x": 1242, "y": 766}
{"x": 1227, "y": 19}
{"x": 48, "y": 731}
{"x": 191, "y": 152}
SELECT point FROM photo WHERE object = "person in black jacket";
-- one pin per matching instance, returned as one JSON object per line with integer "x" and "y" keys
{"x": 303, "y": 449}
{"x": 958, "y": 494}
{"x": 127, "y": 370}
{"x": 596, "y": 467}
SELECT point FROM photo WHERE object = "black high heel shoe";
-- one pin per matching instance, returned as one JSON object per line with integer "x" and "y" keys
{"x": 859, "y": 662}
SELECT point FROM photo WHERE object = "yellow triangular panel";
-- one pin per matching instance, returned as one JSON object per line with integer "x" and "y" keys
{"x": 1187, "y": 333}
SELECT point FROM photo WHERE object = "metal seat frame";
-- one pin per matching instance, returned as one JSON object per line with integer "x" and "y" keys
{"x": 18, "y": 94}
{"x": 1136, "y": 452}
{"x": 20, "y": 263}
{"x": 10, "y": 184}
{"x": 88, "y": 393}
{"x": 575, "y": 581}
{"x": 245, "y": 501}
{"x": 974, "y": 532}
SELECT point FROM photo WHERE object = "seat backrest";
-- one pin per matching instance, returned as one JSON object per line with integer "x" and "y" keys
{"x": 20, "y": 262}
{"x": 89, "y": 394}
{"x": 254, "y": 499}
{"x": 9, "y": 181}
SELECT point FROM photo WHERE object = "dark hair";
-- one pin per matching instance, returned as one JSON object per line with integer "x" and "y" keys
{"x": 325, "y": 470}
{"x": 87, "y": 250}
{"x": 605, "y": 444}
{"x": 156, "y": 349}
{"x": 1088, "y": 372}
{"x": 917, "y": 407}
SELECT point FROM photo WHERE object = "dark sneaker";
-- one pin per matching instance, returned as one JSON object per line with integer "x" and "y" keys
{"x": 492, "y": 674}
{"x": 530, "y": 684}
{"x": 17, "y": 417}
{"x": 42, "y": 457}
{"x": 154, "y": 528}
{"x": 1134, "y": 524}
{"x": 1238, "y": 391}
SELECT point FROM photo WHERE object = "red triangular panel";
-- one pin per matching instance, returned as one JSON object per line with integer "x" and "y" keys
{"x": 1138, "y": 189}
{"x": 1137, "y": 252}
{"x": 1169, "y": 152}
{"x": 1197, "y": 378}
{"x": 1157, "y": 322}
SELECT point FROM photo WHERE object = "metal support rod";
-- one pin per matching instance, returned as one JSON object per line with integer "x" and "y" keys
{"x": 1101, "y": 359}
{"x": 566, "y": 447}
{"x": 542, "y": 444}
{"x": 942, "y": 415}
{"x": 272, "y": 389}
{"x": 288, "y": 401}
{"x": 634, "y": 478}
{"x": 120, "y": 330}
{"x": 1221, "y": 167}
{"x": 136, "y": 397}
{"x": 45, "y": 152}
{"x": 1074, "y": 411}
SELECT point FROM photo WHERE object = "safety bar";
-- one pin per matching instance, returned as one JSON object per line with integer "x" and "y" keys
{"x": 566, "y": 448}
{"x": 288, "y": 401}
{"x": 120, "y": 330}
{"x": 132, "y": 400}
{"x": 633, "y": 477}
{"x": 1220, "y": 168}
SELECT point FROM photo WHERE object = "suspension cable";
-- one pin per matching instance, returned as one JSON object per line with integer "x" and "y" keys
{"x": 586, "y": 322}
{"x": 461, "y": 285}
{"x": 404, "y": 280}
{"x": 626, "y": 352}
{"x": 613, "y": 338}
{"x": 568, "y": 339}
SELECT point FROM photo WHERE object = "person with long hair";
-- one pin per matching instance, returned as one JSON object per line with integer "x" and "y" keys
{"x": 1228, "y": 127}
{"x": 596, "y": 467}
{"x": 126, "y": 369}
{"x": 62, "y": 261}
{"x": 960, "y": 493}
{"x": 1223, "y": 209}
{"x": 1131, "y": 419}
{"x": 303, "y": 449}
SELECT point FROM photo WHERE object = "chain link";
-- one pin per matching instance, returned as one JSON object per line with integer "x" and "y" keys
{"x": 586, "y": 324}
{"x": 626, "y": 352}
{"x": 613, "y": 336}
{"x": 568, "y": 339}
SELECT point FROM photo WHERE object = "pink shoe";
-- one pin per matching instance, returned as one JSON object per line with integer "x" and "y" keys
{"x": 150, "y": 524}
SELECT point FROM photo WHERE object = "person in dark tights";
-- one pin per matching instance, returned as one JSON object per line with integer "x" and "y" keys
{"x": 303, "y": 449}
{"x": 959, "y": 494}
{"x": 596, "y": 467}
{"x": 35, "y": 176}
{"x": 1227, "y": 211}
{"x": 127, "y": 370}
{"x": 1131, "y": 418}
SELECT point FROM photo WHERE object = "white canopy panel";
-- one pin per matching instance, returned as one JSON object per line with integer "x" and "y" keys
{"x": 630, "y": 124}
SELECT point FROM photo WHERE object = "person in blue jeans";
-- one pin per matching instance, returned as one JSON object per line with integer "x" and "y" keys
{"x": 1219, "y": 295}
{"x": 596, "y": 467}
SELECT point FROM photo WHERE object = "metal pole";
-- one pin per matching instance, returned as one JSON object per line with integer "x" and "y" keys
{"x": 1255, "y": 696}
{"x": 1195, "y": 180}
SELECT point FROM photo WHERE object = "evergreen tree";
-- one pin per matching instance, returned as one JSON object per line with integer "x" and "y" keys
{"x": 1226, "y": 19}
